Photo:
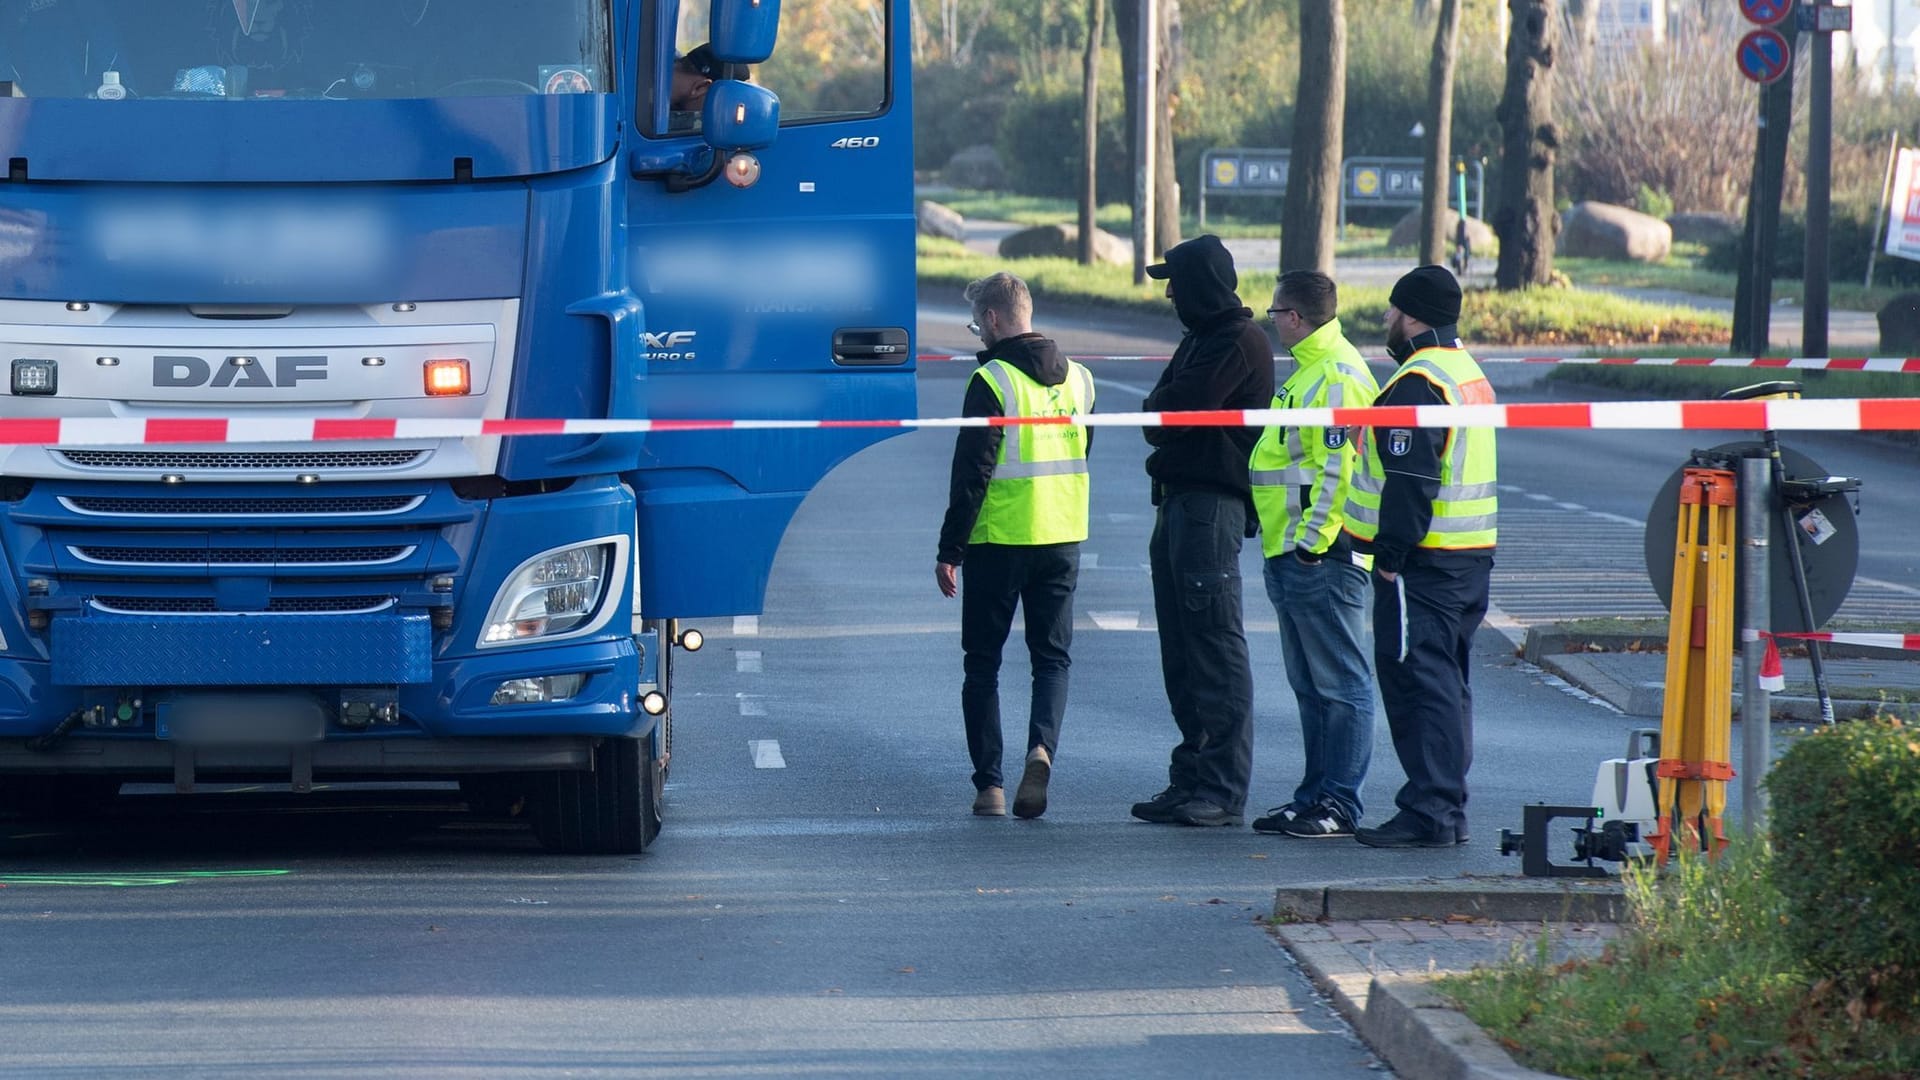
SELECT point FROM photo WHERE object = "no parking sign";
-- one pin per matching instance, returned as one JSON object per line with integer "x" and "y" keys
{"x": 1766, "y": 12}
{"x": 1763, "y": 55}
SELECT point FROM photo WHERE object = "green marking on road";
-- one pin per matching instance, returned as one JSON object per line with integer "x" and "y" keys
{"x": 134, "y": 880}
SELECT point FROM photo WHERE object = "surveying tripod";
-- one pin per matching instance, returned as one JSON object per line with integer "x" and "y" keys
{"x": 1696, "y": 721}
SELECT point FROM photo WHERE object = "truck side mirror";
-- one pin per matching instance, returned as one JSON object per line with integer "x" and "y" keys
{"x": 740, "y": 116}
{"x": 743, "y": 31}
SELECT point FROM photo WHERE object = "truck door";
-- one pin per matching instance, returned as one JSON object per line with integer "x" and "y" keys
{"x": 790, "y": 298}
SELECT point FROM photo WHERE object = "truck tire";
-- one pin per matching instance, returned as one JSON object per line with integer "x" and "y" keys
{"x": 612, "y": 810}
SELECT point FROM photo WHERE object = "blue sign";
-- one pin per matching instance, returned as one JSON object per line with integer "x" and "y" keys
{"x": 1765, "y": 12}
{"x": 1763, "y": 56}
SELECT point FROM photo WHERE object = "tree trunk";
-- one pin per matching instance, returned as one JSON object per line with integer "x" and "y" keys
{"x": 1166, "y": 200}
{"x": 1526, "y": 222}
{"x": 1439, "y": 148}
{"x": 1166, "y": 183}
{"x": 1090, "y": 127}
{"x": 1311, "y": 213}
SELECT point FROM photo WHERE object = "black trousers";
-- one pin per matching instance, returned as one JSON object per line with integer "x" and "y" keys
{"x": 1423, "y": 627}
{"x": 1040, "y": 580}
{"x": 1195, "y": 555}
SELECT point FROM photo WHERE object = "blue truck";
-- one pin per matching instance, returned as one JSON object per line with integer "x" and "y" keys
{"x": 423, "y": 209}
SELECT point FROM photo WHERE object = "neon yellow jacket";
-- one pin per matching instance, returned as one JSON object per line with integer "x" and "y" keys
{"x": 1303, "y": 476}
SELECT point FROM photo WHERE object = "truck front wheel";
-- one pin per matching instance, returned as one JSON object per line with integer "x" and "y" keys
{"x": 612, "y": 810}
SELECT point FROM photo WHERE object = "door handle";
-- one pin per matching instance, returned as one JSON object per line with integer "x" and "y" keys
{"x": 870, "y": 346}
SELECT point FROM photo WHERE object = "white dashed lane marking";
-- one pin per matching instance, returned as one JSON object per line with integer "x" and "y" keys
{"x": 751, "y": 705}
{"x": 746, "y": 625}
{"x": 747, "y": 660}
{"x": 766, "y": 753}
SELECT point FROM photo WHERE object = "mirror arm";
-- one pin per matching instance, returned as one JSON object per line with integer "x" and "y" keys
{"x": 683, "y": 170}
{"x": 678, "y": 182}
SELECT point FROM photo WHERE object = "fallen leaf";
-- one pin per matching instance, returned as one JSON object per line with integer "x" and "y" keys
{"x": 1256, "y": 856}
{"x": 1168, "y": 897}
{"x": 906, "y": 970}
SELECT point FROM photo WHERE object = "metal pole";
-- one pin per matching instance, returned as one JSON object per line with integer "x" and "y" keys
{"x": 1143, "y": 159}
{"x": 1756, "y": 734}
{"x": 1813, "y": 331}
{"x": 1886, "y": 193}
{"x": 1203, "y": 193}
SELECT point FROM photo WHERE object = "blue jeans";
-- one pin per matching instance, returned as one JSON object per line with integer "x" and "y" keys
{"x": 1322, "y": 609}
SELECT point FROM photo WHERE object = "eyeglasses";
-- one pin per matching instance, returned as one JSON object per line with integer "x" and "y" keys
{"x": 1274, "y": 313}
{"x": 973, "y": 328}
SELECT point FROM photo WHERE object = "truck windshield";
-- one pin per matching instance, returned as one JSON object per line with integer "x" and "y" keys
{"x": 336, "y": 49}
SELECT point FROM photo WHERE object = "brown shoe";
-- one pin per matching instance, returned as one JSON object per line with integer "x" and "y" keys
{"x": 1030, "y": 798}
{"x": 991, "y": 802}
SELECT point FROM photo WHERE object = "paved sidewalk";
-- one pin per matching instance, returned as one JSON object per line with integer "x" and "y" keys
{"x": 1378, "y": 971}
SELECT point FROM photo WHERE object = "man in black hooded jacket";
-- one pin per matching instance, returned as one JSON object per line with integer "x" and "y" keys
{"x": 1204, "y": 510}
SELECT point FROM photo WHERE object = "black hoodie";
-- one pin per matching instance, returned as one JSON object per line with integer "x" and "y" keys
{"x": 1224, "y": 362}
{"x": 975, "y": 450}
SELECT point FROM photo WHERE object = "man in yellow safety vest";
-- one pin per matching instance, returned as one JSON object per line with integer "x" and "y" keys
{"x": 1425, "y": 505}
{"x": 1016, "y": 514}
{"x": 1317, "y": 582}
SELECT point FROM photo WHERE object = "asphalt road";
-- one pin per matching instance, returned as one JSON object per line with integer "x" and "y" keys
{"x": 821, "y": 903}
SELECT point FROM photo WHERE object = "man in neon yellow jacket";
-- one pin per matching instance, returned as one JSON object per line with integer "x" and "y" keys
{"x": 1317, "y": 582}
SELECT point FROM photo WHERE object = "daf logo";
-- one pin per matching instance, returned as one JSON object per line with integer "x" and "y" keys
{"x": 671, "y": 345}
{"x": 238, "y": 371}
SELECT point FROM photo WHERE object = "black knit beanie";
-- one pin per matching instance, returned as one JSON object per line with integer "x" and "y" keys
{"x": 1430, "y": 294}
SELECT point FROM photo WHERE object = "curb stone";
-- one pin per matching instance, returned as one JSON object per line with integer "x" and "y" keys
{"x": 1499, "y": 899}
{"x": 1646, "y": 699}
{"x": 1417, "y": 1032}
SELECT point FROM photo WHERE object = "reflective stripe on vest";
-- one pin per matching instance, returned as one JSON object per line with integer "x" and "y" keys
{"x": 1466, "y": 508}
{"x": 1038, "y": 492}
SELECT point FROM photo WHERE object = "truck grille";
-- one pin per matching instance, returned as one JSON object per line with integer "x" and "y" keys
{"x": 203, "y": 605}
{"x": 241, "y": 460}
{"x": 288, "y": 557}
{"x": 362, "y": 505}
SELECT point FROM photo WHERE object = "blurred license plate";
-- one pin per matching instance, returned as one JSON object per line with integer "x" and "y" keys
{"x": 242, "y": 720}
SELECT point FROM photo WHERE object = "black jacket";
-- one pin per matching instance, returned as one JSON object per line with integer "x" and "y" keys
{"x": 975, "y": 450}
{"x": 1224, "y": 362}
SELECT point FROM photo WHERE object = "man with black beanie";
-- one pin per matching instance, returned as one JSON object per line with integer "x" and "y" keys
{"x": 1424, "y": 503}
{"x": 1204, "y": 510}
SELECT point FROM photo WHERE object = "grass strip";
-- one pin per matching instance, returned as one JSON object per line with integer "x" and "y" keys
{"x": 1532, "y": 316}
{"x": 1700, "y": 984}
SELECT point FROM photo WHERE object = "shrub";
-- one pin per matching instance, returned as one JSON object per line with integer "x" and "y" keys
{"x": 1040, "y": 141}
{"x": 1653, "y": 202}
{"x": 953, "y": 108}
{"x": 1846, "y": 830}
{"x": 1851, "y": 235}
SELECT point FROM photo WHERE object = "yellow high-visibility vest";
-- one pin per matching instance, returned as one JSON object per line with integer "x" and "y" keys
{"x": 1466, "y": 510}
{"x": 1038, "y": 493}
{"x": 1302, "y": 476}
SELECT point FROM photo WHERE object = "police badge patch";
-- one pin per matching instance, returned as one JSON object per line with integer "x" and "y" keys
{"x": 1334, "y": 437}
{"x": 1399, "y": 441}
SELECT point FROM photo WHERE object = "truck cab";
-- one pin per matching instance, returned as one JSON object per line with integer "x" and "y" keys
{"x": 423, "y": 213}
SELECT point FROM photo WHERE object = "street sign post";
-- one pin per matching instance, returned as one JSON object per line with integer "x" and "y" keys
{"x": 1241, "y": 171}
{"x": 1375, "y": 181}
{"x": 1763, "y": 55}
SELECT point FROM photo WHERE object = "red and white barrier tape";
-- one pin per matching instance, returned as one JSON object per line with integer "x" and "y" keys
{"x": 1908, "y": 642}
{"x": 1773, "y": 679}
{"x": 1905, "y": 364}
{"x": 1836, "y": 414}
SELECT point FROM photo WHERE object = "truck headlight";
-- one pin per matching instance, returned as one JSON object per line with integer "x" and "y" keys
{"x": 557, "y": 593}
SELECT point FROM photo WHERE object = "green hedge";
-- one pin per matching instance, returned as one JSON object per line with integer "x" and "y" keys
{"x": 1846, "y": 837}
{"x": 1851, "y": 238}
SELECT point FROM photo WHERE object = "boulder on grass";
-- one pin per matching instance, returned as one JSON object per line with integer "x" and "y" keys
{"x": 1900, "y": 325}
{"x": 1406, "y": 232}
{"x": 1592, "y": 230}
{"x": 1706, "y": 227}
{"x": 976, "y": 167}
{"x": 1063, "y": 242}
{"x": 937, "y": 220}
